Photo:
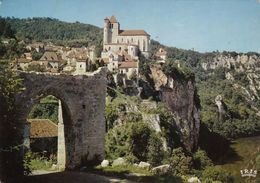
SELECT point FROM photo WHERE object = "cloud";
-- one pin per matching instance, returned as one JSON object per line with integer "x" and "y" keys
{"x": 1, "y": 2}
{"x": 258, "y": 1}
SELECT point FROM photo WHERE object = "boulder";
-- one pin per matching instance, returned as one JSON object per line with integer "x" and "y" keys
{"x": 194, "y": 180}
{"x": 104, "y": 163}
{"x": 144, "y": 165}
{"x": 135, "y": 164}
{"x": 162, "y": 169}
{"x": 119, "y": 161}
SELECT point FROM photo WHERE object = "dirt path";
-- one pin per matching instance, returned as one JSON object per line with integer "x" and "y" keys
{"x": 71, "y": 177}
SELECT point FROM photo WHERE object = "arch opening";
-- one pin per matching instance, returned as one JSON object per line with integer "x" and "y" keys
{"x": 47, "y": 133}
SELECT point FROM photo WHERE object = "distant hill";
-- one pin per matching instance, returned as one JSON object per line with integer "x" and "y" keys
{"x": 49, "y": 29}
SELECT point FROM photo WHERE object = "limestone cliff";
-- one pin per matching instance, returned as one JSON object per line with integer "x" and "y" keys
{"x": 179, "y": 94}
{"x": 242, "y": 69}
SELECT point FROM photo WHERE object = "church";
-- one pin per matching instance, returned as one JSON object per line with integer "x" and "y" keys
{"x": 117, "y": 41}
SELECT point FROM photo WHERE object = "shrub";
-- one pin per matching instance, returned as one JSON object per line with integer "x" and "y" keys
{"x": 155, "y": 151}
{"x": 180, "y": 163}
{"x": 201, "y": 160}
{"x": 128, "y": 140}
{"x": 139, "y": 138}
{"x": 211, "y": 174}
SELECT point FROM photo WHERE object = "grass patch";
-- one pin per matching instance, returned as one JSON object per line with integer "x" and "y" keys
{"x": 37, "y": 161}
{"x": 40, "y": 164}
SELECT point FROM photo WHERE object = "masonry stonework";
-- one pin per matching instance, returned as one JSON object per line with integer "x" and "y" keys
{"x": 82, "y": 105}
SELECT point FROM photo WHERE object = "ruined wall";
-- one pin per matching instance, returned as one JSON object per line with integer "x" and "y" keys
{"x": 83, "y": 104}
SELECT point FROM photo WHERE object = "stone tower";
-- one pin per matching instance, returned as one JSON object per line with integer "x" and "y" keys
{"x": 107, "y": 31}
{"x": 115, "y": 27}
{"x": 111, "y": 30}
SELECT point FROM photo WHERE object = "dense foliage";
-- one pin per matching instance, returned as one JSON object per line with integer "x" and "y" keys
{"x": 47, "y": 108}
{"x": 48, "y": 29}
{"x": 240, "y": 118}
{"x": 11, "y": 164}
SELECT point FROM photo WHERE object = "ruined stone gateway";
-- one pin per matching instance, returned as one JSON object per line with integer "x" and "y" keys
{"x": 81, "y": 128}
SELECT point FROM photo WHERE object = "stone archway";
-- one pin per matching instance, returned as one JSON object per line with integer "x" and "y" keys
{"x": 82, "y": 104}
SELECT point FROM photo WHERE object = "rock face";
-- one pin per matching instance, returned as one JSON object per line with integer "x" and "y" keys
{"x": 221, "y": 107}
{"x": 144, "y": 165}
{"x": 119, "y": 161}
{"x": 83, "y": 112}
{"x": 247, "y": 69}
{"x": 161, "y": 170}
{"x": 104, "y": 163}
{"x": 248, "y": 64}
{"x": 180, "y": 96}
{"x": 239, "y": 62}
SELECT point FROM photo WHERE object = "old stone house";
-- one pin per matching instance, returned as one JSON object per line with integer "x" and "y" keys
{"x": 161, "y": 55}
{"x": 54, "y": 61}
{"x": 43, "y": 135}
{"x": 129, "y": 68}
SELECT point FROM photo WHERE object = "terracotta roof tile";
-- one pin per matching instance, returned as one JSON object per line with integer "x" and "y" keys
{"x": 43, "y": 128}
{"x": 129, "y": 64}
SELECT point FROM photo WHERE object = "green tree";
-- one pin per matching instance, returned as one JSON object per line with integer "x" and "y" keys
{"x": 155, "y": 154}
{"x": 180, "y": 163}
{"x": 201, "y": 160}
{"x": 11, "y": 163}
{"x": 211, "y": 174}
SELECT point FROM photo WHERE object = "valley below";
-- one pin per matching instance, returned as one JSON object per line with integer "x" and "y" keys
{"x": 243, "y": 156}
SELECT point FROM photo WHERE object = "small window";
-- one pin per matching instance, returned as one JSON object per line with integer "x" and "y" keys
{"x": 83, "y": 106}
{"x": 119, "y": 48}
{"x": 80, "y": 66}
{"x": 132, "y": 40}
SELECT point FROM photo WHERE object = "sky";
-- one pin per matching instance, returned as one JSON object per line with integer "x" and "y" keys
{"x": 202, "y": 25}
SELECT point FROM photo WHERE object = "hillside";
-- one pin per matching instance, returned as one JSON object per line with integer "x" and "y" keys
{"x": 59, "y": 32}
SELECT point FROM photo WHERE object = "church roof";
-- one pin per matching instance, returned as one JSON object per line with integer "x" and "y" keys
{"x": 113, "y": 19}
{"x": 133, "y": 33}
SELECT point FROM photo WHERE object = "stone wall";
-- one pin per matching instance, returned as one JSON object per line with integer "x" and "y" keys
{"x": 83, "y": 103}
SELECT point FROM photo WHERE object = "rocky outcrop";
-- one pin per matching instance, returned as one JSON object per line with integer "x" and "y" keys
{"x": 221, "y": 107}
{"x": 242, "y": 69}
{"x": 119, "y": 161}
{"x": 239, "y": 62}
{"x": 179, "y": 94}
{"x": 161, "y": 170}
